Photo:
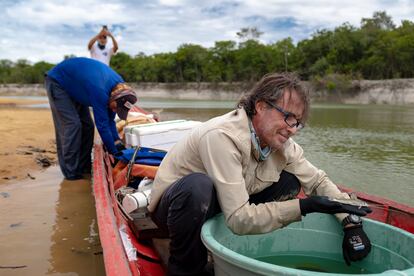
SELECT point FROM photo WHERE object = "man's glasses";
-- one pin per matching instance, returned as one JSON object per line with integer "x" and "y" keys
{"x": 290, "y": 118}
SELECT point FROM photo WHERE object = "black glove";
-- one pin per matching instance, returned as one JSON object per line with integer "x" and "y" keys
{"x": 118, "y": 155}
{"x": 355, "y": 245}
{"x": 322, "y": 204}
{"x": 120, "y": 146}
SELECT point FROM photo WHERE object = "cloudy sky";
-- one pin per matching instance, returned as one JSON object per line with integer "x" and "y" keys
{"x": 49, "y": 29}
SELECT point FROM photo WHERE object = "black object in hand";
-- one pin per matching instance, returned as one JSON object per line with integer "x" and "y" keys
{"x": 118, "y": 155}
{"x": 355, "y": 245}
{"x": 323, "y": 204}
{"x": 120, "y": 146}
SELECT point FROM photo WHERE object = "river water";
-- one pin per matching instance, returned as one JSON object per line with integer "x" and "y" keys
{"x": 48, "y": 225}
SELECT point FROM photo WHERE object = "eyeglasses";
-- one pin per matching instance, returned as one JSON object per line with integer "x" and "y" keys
{"x": 290, "y": 118}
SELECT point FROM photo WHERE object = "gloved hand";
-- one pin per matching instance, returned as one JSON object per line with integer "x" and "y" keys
{"x": 118, "y": 155}
{"x": 356, "y": 244}
{"x": 322, "y": 204}
{"x": 119, "y": 145}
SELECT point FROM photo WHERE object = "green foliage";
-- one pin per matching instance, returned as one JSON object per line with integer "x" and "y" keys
{"x": 379, "y": 21}
{"x": 334, "y": 84}
{"x": 22, "y": 71}
{"x": 221, "y": 64}
{"x": 122, "y": 63}
{"x": 282, "y": 56}
{"x": 251, "y": 60}
{"x": 191, "y": 61}
{"x": 375, "y": 50}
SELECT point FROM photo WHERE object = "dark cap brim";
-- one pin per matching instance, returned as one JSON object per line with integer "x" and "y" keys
{"x": 123, "y": 105}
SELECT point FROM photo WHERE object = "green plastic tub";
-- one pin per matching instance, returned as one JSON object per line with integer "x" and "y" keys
{"x": 310, "y": 247}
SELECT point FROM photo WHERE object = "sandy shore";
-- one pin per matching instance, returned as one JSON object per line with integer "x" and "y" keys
{"x": 28, "y": 140}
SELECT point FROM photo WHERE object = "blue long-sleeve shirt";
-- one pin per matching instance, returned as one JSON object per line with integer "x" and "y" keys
{"x": 90, "y": 82}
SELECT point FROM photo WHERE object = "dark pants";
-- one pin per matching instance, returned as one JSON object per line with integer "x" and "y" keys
{"x": 74, "y": 131}
{"x": 188, "y": 203}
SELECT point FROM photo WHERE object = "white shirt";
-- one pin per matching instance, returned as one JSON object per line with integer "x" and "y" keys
{"x": 102, "y": 55}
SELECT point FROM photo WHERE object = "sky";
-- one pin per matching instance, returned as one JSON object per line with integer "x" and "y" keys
{"x": 47, "y": 30}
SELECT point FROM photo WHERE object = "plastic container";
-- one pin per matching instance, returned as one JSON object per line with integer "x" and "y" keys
{"x": 310, "y": 247}
{"x": 161, "y": 135}
{"x": 139, "y": 199}
{"x": 132, "y": 202}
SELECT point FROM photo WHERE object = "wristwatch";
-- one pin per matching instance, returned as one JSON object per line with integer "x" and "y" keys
{"x": 354, "y": 219}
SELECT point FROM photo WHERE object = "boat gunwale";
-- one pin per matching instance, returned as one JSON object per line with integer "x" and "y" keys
{"x": 115, "y": 259}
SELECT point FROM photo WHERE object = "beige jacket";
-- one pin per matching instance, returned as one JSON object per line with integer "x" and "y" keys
{"x": 222, "y": 149}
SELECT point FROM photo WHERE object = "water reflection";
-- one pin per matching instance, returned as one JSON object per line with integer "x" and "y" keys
{"x": 27, "y": 216}
{"x": 366, "y": 147}
{"x": 146, "y": 103}
{"x": 48, "y": 226}
{"x": 367, "y": 117}
{"x": 75, "y": 241}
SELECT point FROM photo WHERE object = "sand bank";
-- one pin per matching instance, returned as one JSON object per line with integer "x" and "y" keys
{"x": 28, "y": 140}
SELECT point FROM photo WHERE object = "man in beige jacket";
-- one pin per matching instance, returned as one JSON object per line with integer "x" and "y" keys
{"x": 246, "y": 165}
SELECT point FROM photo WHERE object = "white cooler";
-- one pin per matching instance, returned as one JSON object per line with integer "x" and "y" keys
{"x": 162, "y": 135}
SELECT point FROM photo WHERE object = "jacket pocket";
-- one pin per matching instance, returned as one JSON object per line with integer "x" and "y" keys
{"x": 267, "y": 174}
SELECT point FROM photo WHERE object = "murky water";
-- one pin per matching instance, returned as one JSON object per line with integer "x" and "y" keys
{"x": 368, "y": 148}
{"x": 48, "y": 227}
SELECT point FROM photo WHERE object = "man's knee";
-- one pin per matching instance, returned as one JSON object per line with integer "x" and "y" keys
{"x": 71, "y": 129}
{"x": 199, "y": 187}
{"x": 198, "y": 179}
{"x": 186, "y": 203}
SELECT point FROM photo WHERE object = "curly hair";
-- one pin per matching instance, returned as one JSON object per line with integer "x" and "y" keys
{"x": 271, "y": 88}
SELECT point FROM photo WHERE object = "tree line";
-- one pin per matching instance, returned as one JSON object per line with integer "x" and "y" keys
{"x": 377, "y": 49}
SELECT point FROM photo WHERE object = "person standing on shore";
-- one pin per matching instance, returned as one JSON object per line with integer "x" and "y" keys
{"x": 99, "y": 48}
{"x": 72, "y": 87}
